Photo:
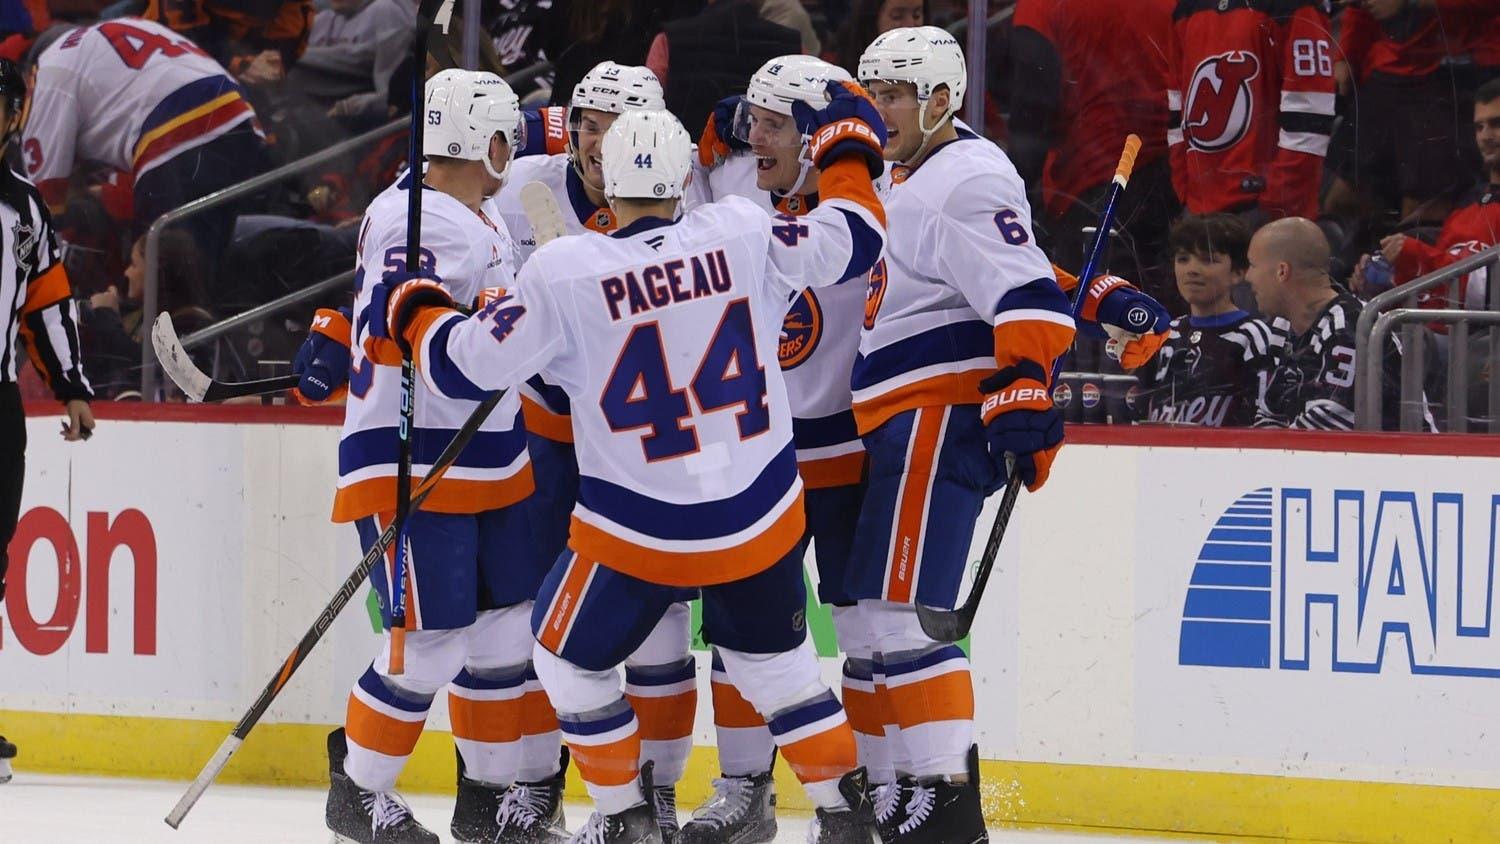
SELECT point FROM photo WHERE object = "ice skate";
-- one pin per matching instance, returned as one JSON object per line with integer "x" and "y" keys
{"x": 357, "y": 816}
{"x": 854, "y": 825}
{"x": 742, "y": 810}
{"x": 532, "y": 812}
{"x": 938, "y": 810}
{"x": 7, "y": 753}
{"x": 636, "y": 825}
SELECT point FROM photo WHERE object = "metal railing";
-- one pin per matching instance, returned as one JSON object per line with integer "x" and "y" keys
{"x": 1395, "y": 308}
{"x": 214, "y": 200}
{"x": 152, "y": 279}
{"x": 259, "y": 312}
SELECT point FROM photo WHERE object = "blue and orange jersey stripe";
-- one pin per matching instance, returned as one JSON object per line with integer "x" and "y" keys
{"x": 198, "y": 111}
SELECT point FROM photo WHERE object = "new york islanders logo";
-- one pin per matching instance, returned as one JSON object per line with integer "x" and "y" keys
{"x": 801, "y": 329}
{"x": 875, "y": 293}
{"x": 1220, "y": 102}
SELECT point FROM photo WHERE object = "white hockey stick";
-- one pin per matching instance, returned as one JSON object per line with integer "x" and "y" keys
{"x": 546, "y": 218}
{"x": 194, "y": 382}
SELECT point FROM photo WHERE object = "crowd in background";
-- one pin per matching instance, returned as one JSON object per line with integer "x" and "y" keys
{"x": 1361, "y": 115}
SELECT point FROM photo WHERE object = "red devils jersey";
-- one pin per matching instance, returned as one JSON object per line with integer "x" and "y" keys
{"x": 1473, "y": 227}
{"x": 1251, "y": 104}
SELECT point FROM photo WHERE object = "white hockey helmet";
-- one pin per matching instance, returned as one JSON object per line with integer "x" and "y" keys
{"x": 647, "y": 155}
{"x": 618, "y": 88}
{"x": 927, "y": 57}
{"x": 781, "y": 82}
{"x": 465, "y": 108}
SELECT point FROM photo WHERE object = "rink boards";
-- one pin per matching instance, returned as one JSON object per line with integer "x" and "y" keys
{"x": 1275, "y": 635}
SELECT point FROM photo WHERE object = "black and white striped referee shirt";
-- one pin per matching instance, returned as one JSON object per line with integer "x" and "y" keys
{"x": 36, "y": 301}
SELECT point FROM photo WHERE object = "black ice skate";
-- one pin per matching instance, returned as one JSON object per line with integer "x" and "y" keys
{"x": 941, "y": 812}
{"x": 742, "y": 810}
{"x": 7, "y": 753}
{"x": 636, "y": 825}
{"x": 357, "y": 816}
{"x": 665, "y": 797}
{"x": 475, "y": 808}
{"x": 532, "y": 812}
{"x": 890, "y": 806}
{"x": 854, "y": 825}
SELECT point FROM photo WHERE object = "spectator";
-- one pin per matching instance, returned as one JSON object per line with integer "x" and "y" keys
{"x": 352, "y": 51}
{"x": 587, "y": 32}
{"x": 718, "y": 49}
{"x": 257, "y": 42}
{"x": 1085, "y": 74}
{"x": 1473, "y": 226}
{"x": 793, "y": 15}
{"x": 136, "y": 97}
{"x": 111, "y": 321}
{"x": 1208, "y": 373}
{"x": 1311, "y": 383}
{"x": 20, "y": 21}
{"x": 1251, "y": 106}
{"x": 867, "y": 19}
{"x": 1405, "y": 149}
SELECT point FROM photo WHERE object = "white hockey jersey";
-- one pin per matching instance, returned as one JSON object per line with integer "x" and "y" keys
{"x": 819, "y": 340}
{"x": 126, "y": 93}
{"x": 545, "y": 406}
{"x": 471, "y": 252}
{"x": 661, "y": 335}
{"x": 962, "y": 289}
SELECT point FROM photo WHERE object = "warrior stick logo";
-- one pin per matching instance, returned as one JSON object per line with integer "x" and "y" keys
{"x": 1293, "y": 578}
{"x": 1220, "y": 102}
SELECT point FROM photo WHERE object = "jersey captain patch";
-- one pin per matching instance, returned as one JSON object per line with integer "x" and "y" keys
{"x": 801, "y": 329}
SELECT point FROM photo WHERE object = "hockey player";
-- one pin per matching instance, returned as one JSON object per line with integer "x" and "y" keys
{"x": 471, "y": 569}
{"x": 676, "y": 491}
{"x": 1311, "y": 383}
{"x": 1209, "y": 373}
{"x": 138, "y": 97}
{"x": 819, "y": 339}
{"x": 660, "y": 678}
{"x": 963, "y": 320}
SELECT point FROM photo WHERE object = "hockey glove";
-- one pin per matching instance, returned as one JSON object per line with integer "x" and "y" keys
{"x": 1019, "y": 420}
{"x": 848, "y": 125}
{"x": 718, "y": 141}
{"x": 1135, "y": 323}
{"x": 393, "y": 303}
{"x": 323, "y": 360}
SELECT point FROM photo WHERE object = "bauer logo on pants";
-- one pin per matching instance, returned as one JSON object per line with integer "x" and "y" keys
{"x": 1402, "y": 575}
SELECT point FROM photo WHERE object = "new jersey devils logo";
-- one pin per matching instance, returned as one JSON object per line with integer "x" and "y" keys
{"x": 1220, "y": 102}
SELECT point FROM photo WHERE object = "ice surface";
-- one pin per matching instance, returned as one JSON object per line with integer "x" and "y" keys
{"x": 38, "y": 809}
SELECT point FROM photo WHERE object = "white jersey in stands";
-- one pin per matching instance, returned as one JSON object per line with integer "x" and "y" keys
{"x": 126, "y": 93}
{"x": 950, "y": 296}
{"x": 819, "y": 340}
{"x": 676, "y": 489}
{"x": 471, "y": 252}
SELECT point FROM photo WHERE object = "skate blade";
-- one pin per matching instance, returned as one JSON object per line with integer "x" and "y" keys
{"x": 4, "y": 771}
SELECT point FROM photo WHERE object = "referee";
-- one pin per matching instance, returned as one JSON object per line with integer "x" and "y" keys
{"x": 37, "y": 314}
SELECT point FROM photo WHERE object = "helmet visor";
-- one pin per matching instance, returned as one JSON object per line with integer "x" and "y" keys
{"x": 765, "y": 129}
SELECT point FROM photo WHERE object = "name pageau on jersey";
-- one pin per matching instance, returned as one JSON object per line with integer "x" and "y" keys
{"x": 546, "y": 406}
{"x": 470, "y": 252}
{"x": 1211, "y": 371}
{"x": 127, "y": 93}
{"x": 664, "y": 336}
{"x": 819, "y": 341}
{"x": 962, "y": 288}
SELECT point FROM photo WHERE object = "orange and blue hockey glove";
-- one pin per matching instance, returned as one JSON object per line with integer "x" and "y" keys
{"x": 718, "y": 141}
{"x": 1020, "y": 422}
{"x": 393, "y": 303}
{"x": 323, "y": 360}
{"x": 1136, "y": 324}
{"x": 848, "y": 125}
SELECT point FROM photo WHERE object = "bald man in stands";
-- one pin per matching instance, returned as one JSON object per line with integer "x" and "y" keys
{"x": 1311, "y": 384}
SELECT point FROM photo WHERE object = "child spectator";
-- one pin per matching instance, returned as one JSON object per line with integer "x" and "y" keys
{"x": 1209, "y": 372}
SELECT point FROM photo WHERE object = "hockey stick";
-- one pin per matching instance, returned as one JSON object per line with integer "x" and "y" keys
{"x": 194, "y": 382}
{"x": 542, "y": 213}
{"x": 953, "y": 625}
{"x": 325, "y": 619}
{"x": 428, "y": 12}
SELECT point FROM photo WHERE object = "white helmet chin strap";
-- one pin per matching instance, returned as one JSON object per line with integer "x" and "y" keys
{"x": 806, "y": 162}
{"x": 926, "y": 131}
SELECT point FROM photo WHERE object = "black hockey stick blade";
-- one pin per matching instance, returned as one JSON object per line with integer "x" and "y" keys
{"x": 325, "y": 619}
{"x": 194, "y": 382}
{"x": 954, "y": 625}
